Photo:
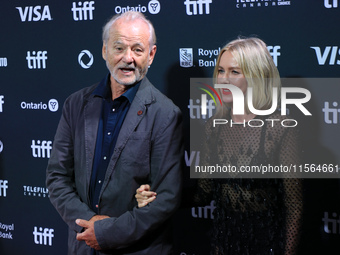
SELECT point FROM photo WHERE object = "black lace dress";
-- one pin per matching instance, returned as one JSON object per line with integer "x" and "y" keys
{"x": 253, "y": 216}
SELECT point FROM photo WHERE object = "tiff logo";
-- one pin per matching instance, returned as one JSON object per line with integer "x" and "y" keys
{"x": 206, "y": 212}
{"x": 2, "y": 101}
{"x": 274, "y": 52}
{"x": 197, "y": 5}
{"x": 331, "y": 114}
{"x": 331, "y": 51}
{"x": 3, "y": 62}
{"x": 80, "y": 12}
{"x": 196, "y": 110}
{"x": 43, "y": 237}
{"x": 3, "y": 187}
{"x": 331, "y": 224}
{"x": 331, "y": 3}
{"x": 34, "y": 13}
{"x": 41, "y": 149}
{"x": 37, "y": 60}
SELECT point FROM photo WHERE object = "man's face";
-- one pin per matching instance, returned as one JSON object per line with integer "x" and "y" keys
{"x": 127, "y": 52}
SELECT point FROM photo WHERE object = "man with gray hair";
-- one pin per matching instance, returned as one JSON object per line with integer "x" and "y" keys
{"x": 112, "y": 137}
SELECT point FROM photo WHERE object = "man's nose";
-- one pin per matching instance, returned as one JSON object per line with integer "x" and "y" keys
{"x": 128, "y": 57}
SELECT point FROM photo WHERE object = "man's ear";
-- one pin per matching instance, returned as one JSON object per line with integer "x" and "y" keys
{"x": 104, "y": 51}
{"x": 152, "y": 54}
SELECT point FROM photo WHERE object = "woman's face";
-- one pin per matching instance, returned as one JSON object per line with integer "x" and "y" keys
{"x": 229, "y": 72}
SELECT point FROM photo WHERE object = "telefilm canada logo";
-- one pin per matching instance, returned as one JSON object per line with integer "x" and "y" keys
{"x": 34, "y": 191}
{"x": 261, "y": 3}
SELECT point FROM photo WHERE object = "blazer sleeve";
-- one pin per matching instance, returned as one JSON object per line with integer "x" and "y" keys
{"x": 166, "y": 179}
{"x": 60, "y": 176}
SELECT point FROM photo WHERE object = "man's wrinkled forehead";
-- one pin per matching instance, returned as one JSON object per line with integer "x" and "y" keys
{"x": 135, "y": 32}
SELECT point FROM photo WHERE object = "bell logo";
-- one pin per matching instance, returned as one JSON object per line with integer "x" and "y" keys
{"x": 36, "y": 13}
{"x": 87, "y": 55}
{"x": 43, "y": 237}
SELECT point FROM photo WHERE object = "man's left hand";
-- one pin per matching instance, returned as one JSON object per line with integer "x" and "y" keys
{"x": 88, "y": 235}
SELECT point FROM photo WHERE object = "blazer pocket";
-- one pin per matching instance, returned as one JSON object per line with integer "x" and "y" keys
{"x": 136, "y": 153}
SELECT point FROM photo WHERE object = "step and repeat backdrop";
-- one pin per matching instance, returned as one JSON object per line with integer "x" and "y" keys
{"x": 49, "y": 49}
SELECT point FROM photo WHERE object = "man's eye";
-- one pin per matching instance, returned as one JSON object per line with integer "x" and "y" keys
{"x": 119, "y": 49}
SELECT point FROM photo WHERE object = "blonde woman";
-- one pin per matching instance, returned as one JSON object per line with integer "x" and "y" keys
{"x": 252, "y": 216}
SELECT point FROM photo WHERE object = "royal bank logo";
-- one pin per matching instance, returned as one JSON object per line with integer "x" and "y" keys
{"x": 52, "y": 105}
{"x": 197, "y": 7}
{"x": 186, "y": 58}
{"x": 82, "y": 10}
{"x": 154, "y": 7}
{"x": 34, "y": 13}
{"x": 330, "y": 55}
{"x": 331, "y": 3}
{"x": 85, "y": 59}
{"x": 6, "y": 231}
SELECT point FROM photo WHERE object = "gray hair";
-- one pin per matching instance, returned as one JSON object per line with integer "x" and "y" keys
{"x": 130, "y": 16}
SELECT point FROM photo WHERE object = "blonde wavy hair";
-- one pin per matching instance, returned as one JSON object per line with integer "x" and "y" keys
{"x": 257, "y": 65}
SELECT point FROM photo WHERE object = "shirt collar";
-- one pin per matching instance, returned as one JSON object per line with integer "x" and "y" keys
{"x": 104, "y": 90}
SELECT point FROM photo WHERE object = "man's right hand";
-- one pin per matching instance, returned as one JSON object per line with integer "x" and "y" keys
{"x": 144, "y": 196}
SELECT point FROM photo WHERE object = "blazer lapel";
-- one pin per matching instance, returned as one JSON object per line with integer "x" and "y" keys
{"x": 92, "y": 113}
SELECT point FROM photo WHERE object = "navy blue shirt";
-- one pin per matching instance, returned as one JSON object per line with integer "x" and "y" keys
{"x": 112, "y": 117}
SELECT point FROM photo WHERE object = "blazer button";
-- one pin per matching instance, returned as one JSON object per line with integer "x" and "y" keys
{"x": 139, "y": 112}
